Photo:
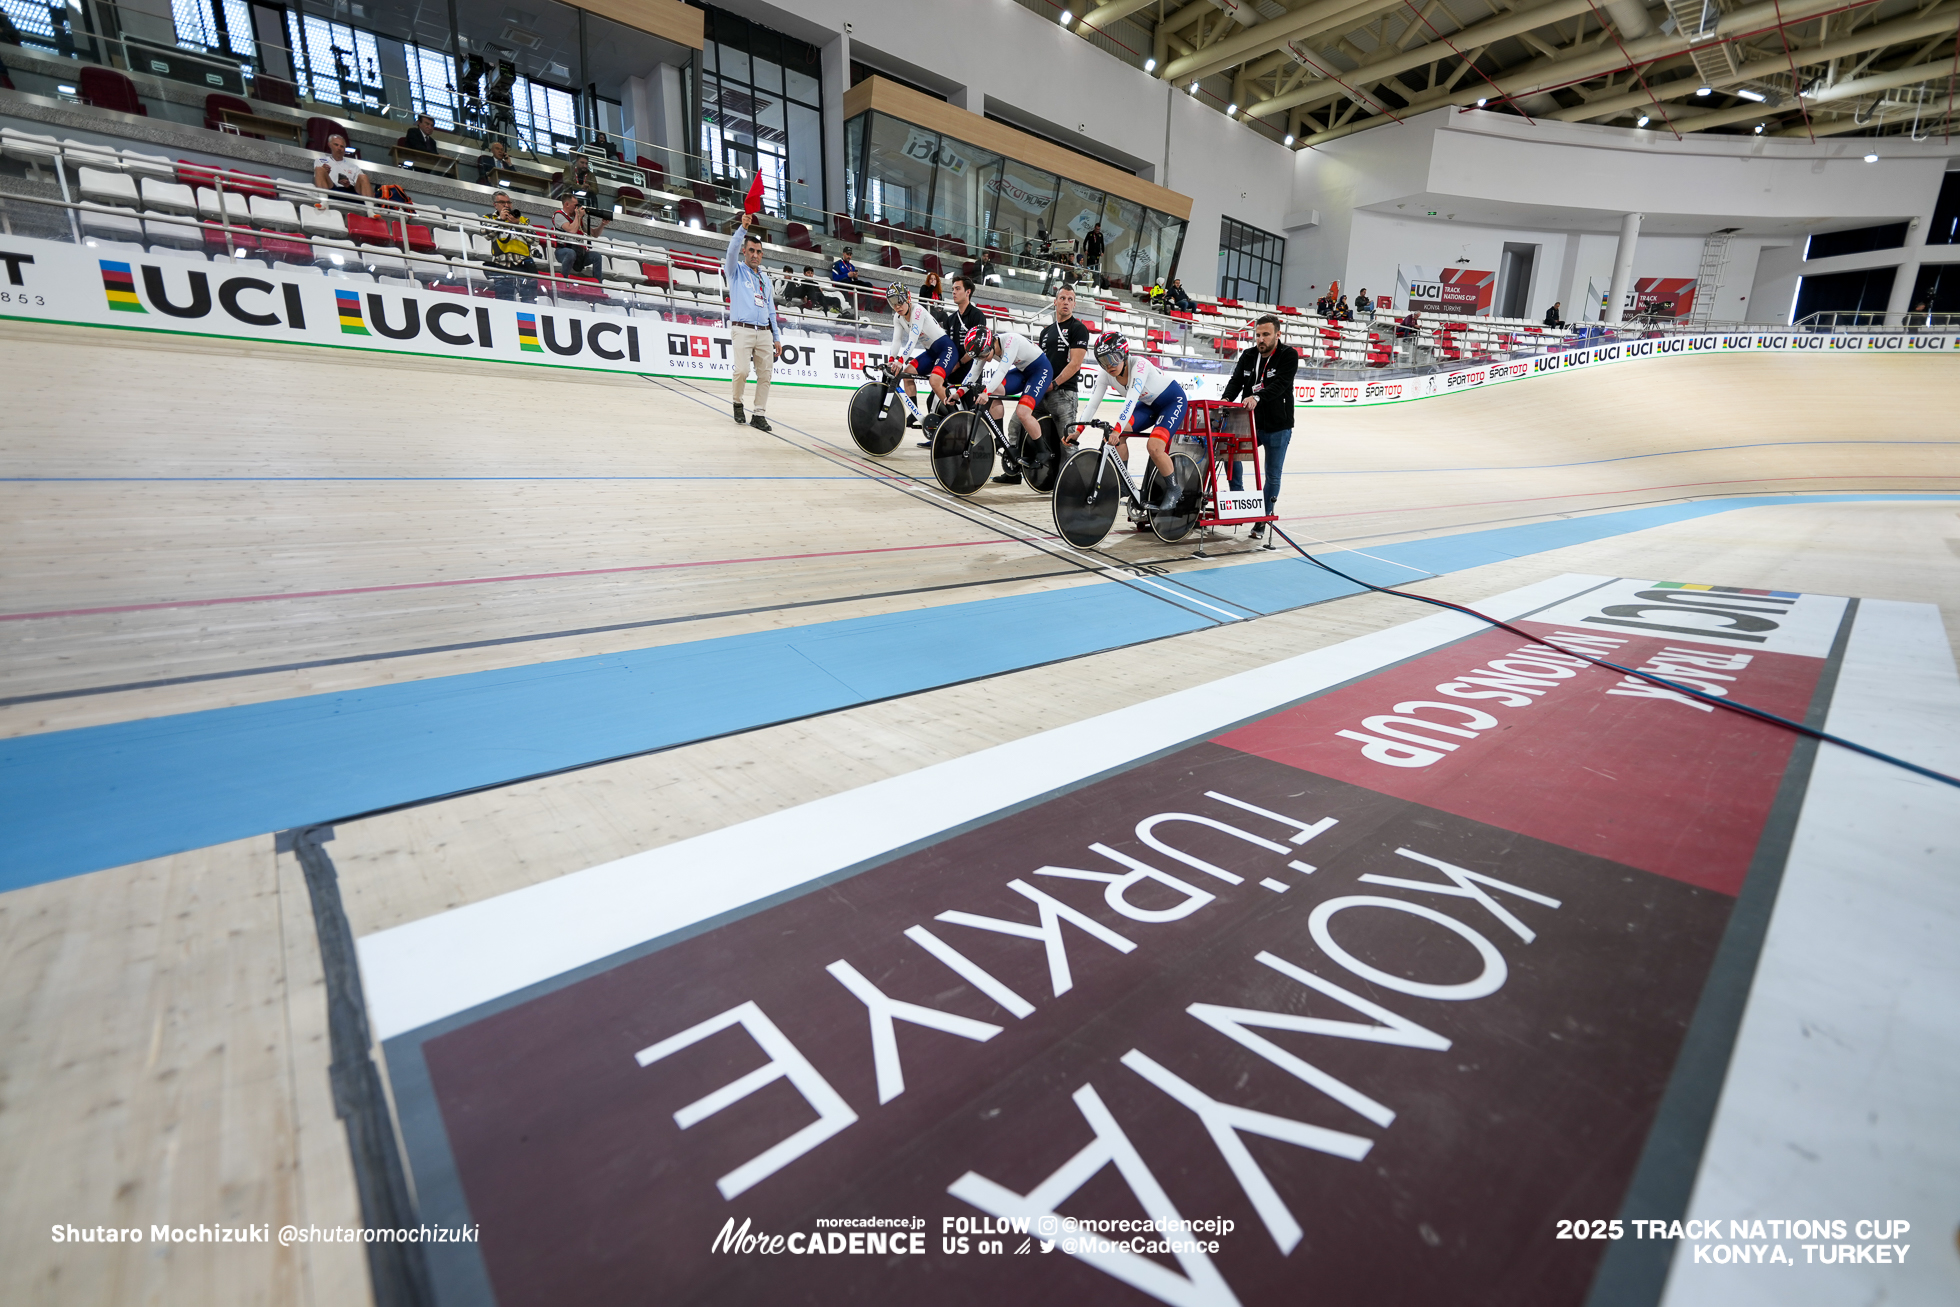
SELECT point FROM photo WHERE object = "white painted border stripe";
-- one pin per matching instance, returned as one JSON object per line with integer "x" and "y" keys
{"x": 448, "y": 963}
{"x": 1840, "y": 1094}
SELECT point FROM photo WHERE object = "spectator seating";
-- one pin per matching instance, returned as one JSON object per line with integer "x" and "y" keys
{"x": 317, "y": 132}
{"x": 691, "y": 214}
{"x": 216, "y": 102}
{"x": 105, "y": 88}
{"x": 797, "y": 237}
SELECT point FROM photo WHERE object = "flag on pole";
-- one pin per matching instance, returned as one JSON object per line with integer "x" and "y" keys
{"x": 753, "y": 202}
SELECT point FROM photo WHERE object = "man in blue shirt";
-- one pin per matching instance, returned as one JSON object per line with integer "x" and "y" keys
{"x": 751, "y": 320}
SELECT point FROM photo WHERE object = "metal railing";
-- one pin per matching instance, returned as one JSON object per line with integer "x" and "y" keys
{"x": 1865, "y": 322}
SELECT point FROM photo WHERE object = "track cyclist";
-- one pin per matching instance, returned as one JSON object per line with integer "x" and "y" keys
{"x": 1152, "y": 402}
{"x": 1013, "y": 365}
{"x": 920, "y": 346}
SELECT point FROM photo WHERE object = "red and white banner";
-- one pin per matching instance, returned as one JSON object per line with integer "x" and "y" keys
{"x": 1458, "y": 291}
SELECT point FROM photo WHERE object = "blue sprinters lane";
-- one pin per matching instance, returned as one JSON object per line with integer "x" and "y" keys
{"x": 81, "y": 800}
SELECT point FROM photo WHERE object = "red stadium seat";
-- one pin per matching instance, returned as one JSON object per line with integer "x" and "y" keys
{"x": 105, "y": 88}
{"x": 217, "y": 101}
{"x": 797, "y": 237}
{"x": 888, "y": 257}
{"x": 690, "y": 213}
{"x": 364, "y": 230}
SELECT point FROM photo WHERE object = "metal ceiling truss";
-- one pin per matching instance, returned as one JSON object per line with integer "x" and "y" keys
{"x": 1318, "y": 70}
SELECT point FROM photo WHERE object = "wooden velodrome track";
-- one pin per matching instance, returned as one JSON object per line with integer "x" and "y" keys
{"x": 191, "y": 526}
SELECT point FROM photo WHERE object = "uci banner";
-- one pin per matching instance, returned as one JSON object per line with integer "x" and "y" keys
{"x": 50, "y": 281}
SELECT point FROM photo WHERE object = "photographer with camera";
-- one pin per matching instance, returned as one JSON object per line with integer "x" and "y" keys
{"x": 574, "y": 222}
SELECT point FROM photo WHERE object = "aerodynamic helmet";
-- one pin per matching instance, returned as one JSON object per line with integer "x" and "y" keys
{"x": 979, "y": 341}
{"x": 1112, "y": 351}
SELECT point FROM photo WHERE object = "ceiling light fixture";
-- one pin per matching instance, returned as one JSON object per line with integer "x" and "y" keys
{"x": 1231, "y": 109}
{"x": 1643, "y": 121}
{"x": 1759, "y": 129}
{"x": 1754, "y": 97}
{"x": 1289, "y": 140}
{"x": 1193, "y": 88}
{"x": 1703, "y": 90}
{"x": 1149, "y": 65}
{"x": 1481, "y": 102}
{"x": 1067, "y": 18}
{"x": 1871, "y": 158}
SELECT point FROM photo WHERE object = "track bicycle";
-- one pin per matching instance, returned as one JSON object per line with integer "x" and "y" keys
{"x": 1093, "y": 483}
{"x": 965, "y": 442}
{"x": 875, "y": 422}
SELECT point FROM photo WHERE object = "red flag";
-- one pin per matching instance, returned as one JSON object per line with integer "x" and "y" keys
{"x": 753, "y": 203}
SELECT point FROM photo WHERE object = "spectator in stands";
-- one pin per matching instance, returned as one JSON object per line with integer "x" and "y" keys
{"x": 510, "y": 251}
{"x": 1552, "y": 319}
{"x": 828, "y": 303}
{"x": 577, "y": 178}
{"x": 1407, "y": 326}
{"x": 1178, "y": 299}
{"x": 334, "y": 171}
{"x": 1092, "y": 248}
{"x": 422, "y": 136}
{"x": 843, "y": 271}
{"x": 496, "y": 160}
{"x": 574, "y": 222}
{"x": 1324, "y": 306}
{"x": 1363, "y": 305}
{"x": 1342, "y": 311}
{"x": 932, "y": 290}
{"x": 1264, "y": 375}
{"x": 604, "y": 142}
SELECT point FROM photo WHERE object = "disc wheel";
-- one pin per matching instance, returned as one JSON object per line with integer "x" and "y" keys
{"x": 962, "y": 454}
{"x": 1087, "y": 497}
{"x": 1043, "y": 463}
{"x": 876, "y": 436}
{"x": 1176, "y": 522}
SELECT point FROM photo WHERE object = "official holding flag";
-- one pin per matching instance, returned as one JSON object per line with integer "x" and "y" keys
{"x": 751, "y": 311}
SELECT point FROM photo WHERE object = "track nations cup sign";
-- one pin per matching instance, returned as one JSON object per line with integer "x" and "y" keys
{"x": 49, "y": 281}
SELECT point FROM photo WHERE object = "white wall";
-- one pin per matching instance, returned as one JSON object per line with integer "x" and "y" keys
{"x": 1562, "y": 187}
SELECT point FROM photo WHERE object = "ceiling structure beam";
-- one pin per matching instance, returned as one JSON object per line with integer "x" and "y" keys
{"x": 1935, "y": 22}
{"x": 1115, "y": 11}
{"x": 1851, "y": 90}
{"x": 1488, "y": 32}
{"x": 1545, "y": 74}
{"x": 1270, "y": 35}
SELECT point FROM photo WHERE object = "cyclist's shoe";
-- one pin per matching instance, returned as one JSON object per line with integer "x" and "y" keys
{"x": 1010, "y": 477}
{"x": 741, "y": 418}
{"x": 1167, "y": 497}
{"x": 925, "y": 444}
{"x": 911, "y": 421}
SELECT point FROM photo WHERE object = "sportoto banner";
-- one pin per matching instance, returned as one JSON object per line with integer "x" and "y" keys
{"x": 1465, "y": 291}
{"x": 49, "y": 281}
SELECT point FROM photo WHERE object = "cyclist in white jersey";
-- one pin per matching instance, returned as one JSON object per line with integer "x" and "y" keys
{"x": 1152, "y": 402}
{"x": 1013, "y": 364}
{"x": 920, "y": 346}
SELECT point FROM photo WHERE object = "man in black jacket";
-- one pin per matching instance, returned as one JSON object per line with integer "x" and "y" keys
{"x": 1265, "y": 375}
{"x": 965, "y": 317}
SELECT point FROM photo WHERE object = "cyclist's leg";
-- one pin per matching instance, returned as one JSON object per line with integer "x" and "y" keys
{"x": 943, "y": 357}
{"x": 1036, "y": 379}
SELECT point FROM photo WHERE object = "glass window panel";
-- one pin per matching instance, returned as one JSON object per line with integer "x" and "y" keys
{"x": 768, "y": 75}
{"x": 1023, "y": 202}
{"x": 1078, "y": 209}
{"x": 803, "y": 86}
{"x": 959, "y": 197}
{"x": 854, "y": 163}
{"x": 33, "y": 19}
{"x": 734, "y": 65}
{"x": 806, "y": 198}
{"x": 898, "y": 178}
{"x": 1122, "y": 227}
